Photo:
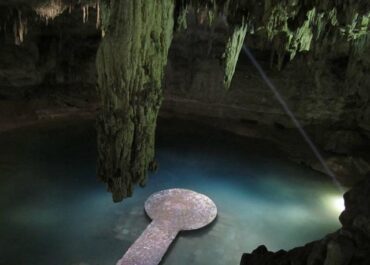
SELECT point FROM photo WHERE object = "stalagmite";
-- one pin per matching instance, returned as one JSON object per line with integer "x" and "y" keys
{"x": 130, "y": 65}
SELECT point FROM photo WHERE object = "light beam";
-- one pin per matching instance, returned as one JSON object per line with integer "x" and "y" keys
{"x": 286, "y": 108}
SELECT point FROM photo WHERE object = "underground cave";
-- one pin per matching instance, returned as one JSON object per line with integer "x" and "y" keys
{"x": 143, "y": 132}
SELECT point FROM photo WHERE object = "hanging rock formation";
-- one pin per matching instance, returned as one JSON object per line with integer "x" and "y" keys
{"x": 234, "y": 46}
{"x": 130, "y": 64}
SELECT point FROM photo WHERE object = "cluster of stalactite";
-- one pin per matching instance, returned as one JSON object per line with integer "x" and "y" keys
{"x": 316, "y": 27}
{"x": 17, "y": 17}
{"x": 49, "y": 10}
{"x": 288, "y": 26}
{"x": 130, "y": 65}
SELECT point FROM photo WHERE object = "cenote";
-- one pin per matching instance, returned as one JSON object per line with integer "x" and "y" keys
{"x": 55, "y": 211}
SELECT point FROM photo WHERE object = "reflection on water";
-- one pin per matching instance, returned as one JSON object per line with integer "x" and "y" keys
{"x": 54, "y": 211}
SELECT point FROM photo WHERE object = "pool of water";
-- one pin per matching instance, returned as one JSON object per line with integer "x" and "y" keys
{"x": 53, "y": 210}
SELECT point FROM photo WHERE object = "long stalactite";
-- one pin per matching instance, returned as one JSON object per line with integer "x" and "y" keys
{"x": 130, "y": 65}
{"x": 234, "y": 46}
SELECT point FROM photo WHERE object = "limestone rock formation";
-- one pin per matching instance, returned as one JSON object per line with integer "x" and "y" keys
{"x": 130, "y": 65}
{"x": 232, "y": 52}
{"x": 348, "y": 246}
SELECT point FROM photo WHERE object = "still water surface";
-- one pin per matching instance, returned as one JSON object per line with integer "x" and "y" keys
{"x": 54, "y": 211}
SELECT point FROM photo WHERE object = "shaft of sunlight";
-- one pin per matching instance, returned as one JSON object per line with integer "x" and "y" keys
{"x": 286, "y": 108}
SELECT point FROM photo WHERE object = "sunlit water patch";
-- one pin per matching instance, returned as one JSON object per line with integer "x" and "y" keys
{"x": 54, "y": 210}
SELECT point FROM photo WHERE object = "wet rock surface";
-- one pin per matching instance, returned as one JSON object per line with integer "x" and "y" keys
{"x": 348, "y": 246}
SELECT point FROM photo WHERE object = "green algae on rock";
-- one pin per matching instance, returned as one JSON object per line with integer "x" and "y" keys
{"x": 233, "y": 48}
{"x": 130, "y": 64}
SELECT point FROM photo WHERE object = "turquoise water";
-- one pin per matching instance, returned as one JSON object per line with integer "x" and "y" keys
{"x": 53, "y": 210}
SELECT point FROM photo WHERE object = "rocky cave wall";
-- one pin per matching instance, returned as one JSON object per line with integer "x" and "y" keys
{"x": 316, "y": 53}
